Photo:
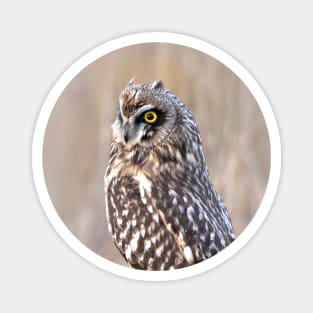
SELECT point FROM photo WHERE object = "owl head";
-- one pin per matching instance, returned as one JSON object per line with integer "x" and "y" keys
{"x": 147, "y": 115}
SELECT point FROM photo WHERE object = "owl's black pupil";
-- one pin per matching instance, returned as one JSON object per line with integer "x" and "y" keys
{"x": 150, "y": 116}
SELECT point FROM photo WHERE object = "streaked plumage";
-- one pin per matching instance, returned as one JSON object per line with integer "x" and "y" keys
{"x": 163, "y": 211}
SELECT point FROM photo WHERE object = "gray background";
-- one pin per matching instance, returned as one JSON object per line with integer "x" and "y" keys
{"x": 39, "y": 272}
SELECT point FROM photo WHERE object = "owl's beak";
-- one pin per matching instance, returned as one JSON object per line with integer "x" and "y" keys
{"x": 131, "y": 134}
{"x": 126, "y": 136}
{"x": 128, "y": 133}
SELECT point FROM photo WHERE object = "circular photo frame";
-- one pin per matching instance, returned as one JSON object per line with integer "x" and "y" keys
{"x": 71, "y": 142}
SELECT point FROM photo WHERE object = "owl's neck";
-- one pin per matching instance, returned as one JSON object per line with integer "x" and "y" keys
{"x": 163, "y": 159}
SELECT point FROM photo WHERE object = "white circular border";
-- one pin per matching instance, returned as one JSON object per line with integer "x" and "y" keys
{"x": 156, "y": 37}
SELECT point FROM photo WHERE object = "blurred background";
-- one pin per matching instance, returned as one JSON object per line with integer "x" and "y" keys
{"x": 78, "y": 134}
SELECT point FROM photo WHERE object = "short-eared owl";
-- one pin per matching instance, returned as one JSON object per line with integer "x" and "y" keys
{"x": 162, "y": 209}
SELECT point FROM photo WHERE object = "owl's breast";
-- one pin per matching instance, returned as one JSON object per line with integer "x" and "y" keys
{"x": 137, "y": 227}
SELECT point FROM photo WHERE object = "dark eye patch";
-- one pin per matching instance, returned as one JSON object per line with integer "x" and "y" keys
{"x": 159, "y": 121}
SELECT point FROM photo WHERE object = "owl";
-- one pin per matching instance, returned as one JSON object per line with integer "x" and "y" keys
{"x": 162, "y": 210}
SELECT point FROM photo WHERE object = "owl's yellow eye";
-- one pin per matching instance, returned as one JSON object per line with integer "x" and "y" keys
{"x": 150, "y": 117}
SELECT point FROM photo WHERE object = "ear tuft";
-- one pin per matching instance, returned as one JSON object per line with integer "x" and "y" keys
{"x": 157, "y": 84}
{"x": 131, "y": 82}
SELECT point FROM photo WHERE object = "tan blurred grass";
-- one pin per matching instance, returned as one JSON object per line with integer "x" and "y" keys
{"x": 78, "y": 134}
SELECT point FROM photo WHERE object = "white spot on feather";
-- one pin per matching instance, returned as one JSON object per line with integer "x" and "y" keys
{"x": 128, "y": 252}
{"x": 169, "y": 227}
{"x": 134, "y": 242}
{"x": 153, "y": 239}
{"x": 195, "y": 227}
{"x": 190, "y": 212}
{"x": 150, "y": 209}
{"x": 150, "y": 261}
{"x": 158, "y": 251}
{"x": 188, "y": 255}
{"x": 223, "y": 243}
{"x": 156, "y": 217}
{"x": 191, "y": 158}
{"x": 147, "y": 244}
{"x": 172, "y": 193}
{"x": 142, "y": 232}
{"x": 144, "y": 186}
{"x": 123, "y": 234}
